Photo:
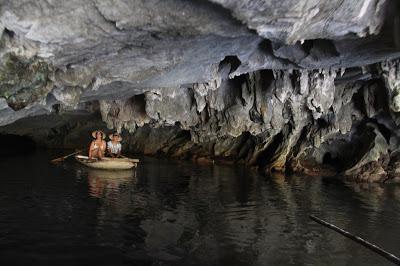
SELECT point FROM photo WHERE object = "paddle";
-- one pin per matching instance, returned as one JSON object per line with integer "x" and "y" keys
{"x": 365, "y": 243}
{"x": 60, "y": 159}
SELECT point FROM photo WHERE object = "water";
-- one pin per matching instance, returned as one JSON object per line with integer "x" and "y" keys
{"x": 178, "y": 213}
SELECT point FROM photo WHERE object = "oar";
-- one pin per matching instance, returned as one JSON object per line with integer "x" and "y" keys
{"x": 60, "y": 159}
{"x": 359, "y": 240}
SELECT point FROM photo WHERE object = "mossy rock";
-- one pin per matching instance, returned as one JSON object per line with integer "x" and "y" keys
{"x": 24, "y": 81}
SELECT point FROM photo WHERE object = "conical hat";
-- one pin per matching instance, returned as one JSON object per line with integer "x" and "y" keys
{"x": 95, "y": 132}
{"x": 115, "y": 134}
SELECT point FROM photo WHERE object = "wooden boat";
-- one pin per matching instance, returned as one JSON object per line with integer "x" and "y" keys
{"x": 108, "y": 163}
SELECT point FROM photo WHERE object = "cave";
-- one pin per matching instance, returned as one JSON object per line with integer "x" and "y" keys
{"x": 234, "y": 77}
{"x": 216, "y": 80}
{"x": 293, "y": 92}
{"x": 330, "y": 160}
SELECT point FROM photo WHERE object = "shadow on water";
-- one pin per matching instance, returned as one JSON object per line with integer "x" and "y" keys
{"x": 178, "y": 213}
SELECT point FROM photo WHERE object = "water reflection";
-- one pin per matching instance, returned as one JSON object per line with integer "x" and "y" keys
{"x": 185, "y": 214}
{"x": 207, "y": 215}
{"x": 107, "y": 184}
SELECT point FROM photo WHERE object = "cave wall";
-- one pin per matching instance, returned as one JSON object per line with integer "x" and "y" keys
{"x": 317, "y": 122}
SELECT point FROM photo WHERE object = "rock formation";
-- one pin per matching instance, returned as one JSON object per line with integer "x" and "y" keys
{"x": 306, "y": 86}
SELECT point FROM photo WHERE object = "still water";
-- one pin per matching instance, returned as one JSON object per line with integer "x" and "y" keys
{"x": 178, "y": 213}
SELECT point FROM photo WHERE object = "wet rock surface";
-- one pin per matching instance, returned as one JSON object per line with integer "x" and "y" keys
{"x": 308, "y": 86}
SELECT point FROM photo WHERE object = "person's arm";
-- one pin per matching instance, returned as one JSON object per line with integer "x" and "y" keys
{"x": 108, "y": 149}
{"x": 90, "y": 149}
{"x": 119, "y": 149}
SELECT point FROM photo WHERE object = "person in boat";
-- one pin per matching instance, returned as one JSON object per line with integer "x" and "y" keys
{"x": 98, "y": 145}
{"x": 114, "y": 146}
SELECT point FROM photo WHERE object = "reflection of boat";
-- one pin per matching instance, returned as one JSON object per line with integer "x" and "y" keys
{"x": 123, "y": 175}
{"x": 108, "y": 163}
{"x": 106, "y": 184}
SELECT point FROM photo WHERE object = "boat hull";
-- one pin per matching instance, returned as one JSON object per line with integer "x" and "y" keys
{"x": 108, "y": 163}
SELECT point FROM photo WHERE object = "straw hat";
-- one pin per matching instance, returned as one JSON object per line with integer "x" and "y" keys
{"x": 95, "y": 132}
{"x": 115, "y": 134}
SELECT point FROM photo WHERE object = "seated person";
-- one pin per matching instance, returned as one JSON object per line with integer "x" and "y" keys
{"x": 114, "y": 145}
{"x": 98, "y": 145}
